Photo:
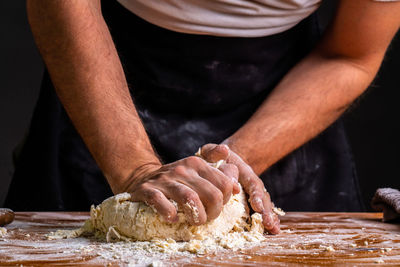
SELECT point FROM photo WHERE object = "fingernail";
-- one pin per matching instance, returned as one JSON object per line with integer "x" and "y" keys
{"x": 276, "y": 230}
{"x": 236, "y": 186}
{"x": 268, "y": 221}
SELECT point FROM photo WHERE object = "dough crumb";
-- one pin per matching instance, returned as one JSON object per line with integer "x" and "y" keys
{"x": 327, "y": 248}
{"x": 278, "y": 211}
{"x": 386, "y": 249}
{"x": 330, "y": 249}
{"x": 3, "y": 231}
{"x": 195, "y": 212}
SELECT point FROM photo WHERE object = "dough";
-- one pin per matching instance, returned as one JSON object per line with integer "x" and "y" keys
{"x": 119, "y": 218}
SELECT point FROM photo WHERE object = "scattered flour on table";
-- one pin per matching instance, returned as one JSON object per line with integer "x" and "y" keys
{"x": 132, "y": 232}
{"x": 144, "y": 253}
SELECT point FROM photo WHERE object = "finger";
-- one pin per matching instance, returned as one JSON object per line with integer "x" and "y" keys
{"x": 253, "y": 186}
{"x": 157, "y": 200}
{"x": 246, "y": 173}
{"x": 224, "y": 183}
{"x": 210, "y": 196}
{"x": 214, "y": 153}
{"x": 273, "y": 228}
{"x": 260, "y": 202}
{"x": 213, "y": 175}
{"x": 231, "y": 171}
{"x": 256, "y": 197}
{"x": 250, "y": 182}
{"x": 188, "y": 200}
{"x": 270, "y": 218}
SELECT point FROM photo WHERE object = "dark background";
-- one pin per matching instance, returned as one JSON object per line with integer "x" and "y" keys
{"x": 372, "y": 123}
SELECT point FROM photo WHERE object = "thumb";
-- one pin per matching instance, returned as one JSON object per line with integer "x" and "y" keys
{"x": 214, "y": 153}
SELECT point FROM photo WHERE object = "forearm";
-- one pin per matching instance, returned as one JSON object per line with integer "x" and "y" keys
{"x": 319, "y": 89}
{"x": 85, "y": 69}
{"x": 311, "y": 97}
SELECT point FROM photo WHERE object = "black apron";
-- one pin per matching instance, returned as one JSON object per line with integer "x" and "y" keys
{"x": 189, "y": 90}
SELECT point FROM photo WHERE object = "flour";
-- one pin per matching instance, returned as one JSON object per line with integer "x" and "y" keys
{"x": 148, "y": 253}
{"x": 278, "y": 211}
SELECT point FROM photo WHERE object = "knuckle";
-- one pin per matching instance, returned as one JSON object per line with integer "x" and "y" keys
{"x": 226, "y": 182}
{"x": 174, "y": 187}
{"x": 180, "y": 170}
{"x": 141, "y": 188}
{"x": 189, "y": 196}
{"x": 233, "y": 168}
{"x": 162, "y": 177}
{"x": 226, "y": 186}
{"x": 214, "y": 206}
{"x": 152, "y": 196}
{"x": 216, "y": 198}
{"x": 259, "y": 185}
{"x": 246, "y": 181}
{"x": 193, "y": 161}
{"x": 247, "y": 169}
{"x": 178, "y": 190}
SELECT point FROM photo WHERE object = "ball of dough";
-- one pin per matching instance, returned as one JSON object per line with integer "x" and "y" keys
{"x": 118, "y": 216}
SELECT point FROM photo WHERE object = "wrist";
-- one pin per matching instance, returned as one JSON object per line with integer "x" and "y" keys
{"x": 235, "y": 146}
{"x": 122, "y": 184}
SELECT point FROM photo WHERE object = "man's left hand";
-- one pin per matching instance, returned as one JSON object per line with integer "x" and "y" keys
{"x": 259, "y": 198}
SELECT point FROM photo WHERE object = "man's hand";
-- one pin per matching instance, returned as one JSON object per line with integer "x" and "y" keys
{"x": 259, "y": 198}
{"x": 200, "y": 189}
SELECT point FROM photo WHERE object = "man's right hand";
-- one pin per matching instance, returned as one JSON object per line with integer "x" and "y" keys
{"x": 200, "y": 189}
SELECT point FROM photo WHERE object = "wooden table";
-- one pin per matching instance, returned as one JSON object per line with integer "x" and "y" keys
{"x": 350, "y": 239}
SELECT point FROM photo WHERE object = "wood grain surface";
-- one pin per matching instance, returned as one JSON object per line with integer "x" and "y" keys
{"x": 316, "y": 239}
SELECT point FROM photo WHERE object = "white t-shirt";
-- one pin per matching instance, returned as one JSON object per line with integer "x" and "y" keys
{"x": 238, "y": 18}
{"x": 241, "y": 18}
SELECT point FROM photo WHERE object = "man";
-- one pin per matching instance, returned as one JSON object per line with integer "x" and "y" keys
{"x": 200, "y": 73}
